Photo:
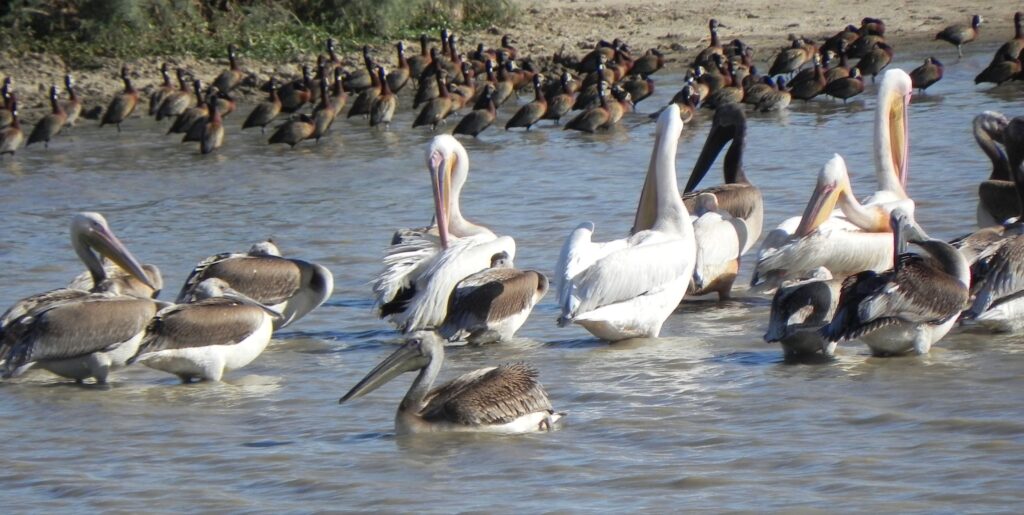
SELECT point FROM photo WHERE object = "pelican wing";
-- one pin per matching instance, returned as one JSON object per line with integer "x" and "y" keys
{"x": 578, "y": 254}
{"x": 489, "y": 296}
{"x": 126, "y": 283}
{"x": 643, "y": 267}
{"x": 739, "y": 200}
{"x": 720, "y": 239}
{"x": 1005, "y": 276}
{"x": 41, "y": 301}
{"x": 488, "y": 396}
{"x": 918, "y": 292}
{"x": 404, "y": 260}
{"x": 214, "y": 321}
{"x": 268, "y": 279}
{"x": 197, "y": 274}
{"x": 76, "y": 328}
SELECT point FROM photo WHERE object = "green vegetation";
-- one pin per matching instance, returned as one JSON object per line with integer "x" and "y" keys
{"x": 79, "y": 30}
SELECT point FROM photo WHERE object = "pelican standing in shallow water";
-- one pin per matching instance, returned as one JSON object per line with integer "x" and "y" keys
{"x": 79, "y": 333}
{"x": 503, "y": 399}
{"x": 222, "y": 330}
{"x": 292, "y": 287}
{"x": 720, "y": 238}
{"x": 910, "y": 307}
{"x": 420, "y": 269}
{"x": 627, "y": 288}
{"x": 847, "y": 244}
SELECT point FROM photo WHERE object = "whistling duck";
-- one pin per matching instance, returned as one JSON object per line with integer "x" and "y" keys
{"x": 190, "y": 116}
{"x": 73, "y": 105}
{"x": 863, "y": 45}
{"x": 622, "y": 103}
{"x": 504, "y": 87}
{"x": 426, "y": 88}
{"x": 364, "y": 79}
{"x": 530, "y": 113}
{"x": 652, "y": 61}
{"x": 399, "y": 77}
{"x": 639, "y": 88}
{"x": 11, "y": 136}
{"x": 998, "y": 73}
{"x": 419, "y": 62}
{"x": 483, "y": 115}
{"x": 213, "y": 129}
{"x": 339, "y": 97}
{"x": 296, "y": 93}
{"x": 840, "y": 40}
{"x": 927, "y": 74}
{"x": 506, "y": 46}
{"x": 775, "y": 100}
{"x": 264, "y": 112}
{"x": 161, "y": 91}
{"x": 961, "y": 34}
{"x": 714, "y": 47}
{"x": 5, "y": 103}
{"x": 383, "y": 107}
{"x": 1011, "y": 50}
{"x": 123, "y": 103}
{"x": 601, "y": 73}
{"x": 846, "y": 87}
{"x": 176, "y": 101}
{"x": 840, "y": 70}
{"x": 318, "y": 78}
{"x": 593, "y": 118}
{"x": 230, "y": 79}
{"x": 560, "y": 103}
{"x": 875, "y": 60}
{"x": 792, "y": 58}
{"x": 439, "y": 108}
{"x": 332, "y": 54}
{"x": 686, "y": 99}
{"x": 602, "y": 51}
{"x": 755, "y": 92}
{"x": 50, "y": 125}
{"x": 365, "y": 99}
{"x": 323, "y": 114}
{"x": 812, "y": 87}
{"x": 294, "y": 131}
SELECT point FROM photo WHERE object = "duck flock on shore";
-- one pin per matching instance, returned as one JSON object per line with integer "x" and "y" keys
{"x": 840, "y": 270}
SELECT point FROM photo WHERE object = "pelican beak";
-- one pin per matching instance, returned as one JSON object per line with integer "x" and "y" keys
{"x": 899, "y": 136}
{"x": 718, "y": 137}
{"x": 823, "y": 200}
{"x": 440, "y": 177}
{"x": 237, "y": 296}
{"x": 107, "y": 244}
{"x": 407, "y": 358}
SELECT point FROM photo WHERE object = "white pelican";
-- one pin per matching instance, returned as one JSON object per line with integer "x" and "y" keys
{"x": 420, "y": 271}
{"x": 222, "y": 330}
{"x": 787, "y": 253}
{"x": 720, "y": 239}
{"x": 997, "y": 196}
{"x": 910, "y": 307}
{"x": 503, "y": 399}
{"x": 737, "y": 196}
{"x": 800, "y": 310}
{"x": 292, "y": 287}
{"x": 77, "y": 333}
{"x": 627, "y": 288}
{"x": 492, "y": 304}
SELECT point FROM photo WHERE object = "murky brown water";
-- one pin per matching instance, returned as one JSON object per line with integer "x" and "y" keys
{"x": 707, "y": 417}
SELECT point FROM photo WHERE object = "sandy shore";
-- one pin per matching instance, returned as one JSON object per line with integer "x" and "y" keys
{"x": 543, "y": 28}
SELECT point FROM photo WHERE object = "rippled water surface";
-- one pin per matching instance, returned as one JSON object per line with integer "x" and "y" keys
{"x": 707, "y": 417}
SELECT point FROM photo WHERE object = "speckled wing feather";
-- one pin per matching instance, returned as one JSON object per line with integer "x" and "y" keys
{"x": 490, "y": 295}
{"x": 268, "y": 279}
{"x": 1005, "y": 275}
{"x": 215, "y": 321}
{"x": 846, "y": 323}
{"x": 489, "y": 396}
{"x": 197, "y": 274}
{"x": 738, "y": 200}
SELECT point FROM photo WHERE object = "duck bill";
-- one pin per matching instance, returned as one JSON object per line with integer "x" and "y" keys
{"x": 107, "y": 244}
{"x": 899, "y": 137}
{"x": 441, "y": 166}
{"x": 407, "y": 358}
{"x": 718, "y": 137}
{"x": 244, "y": 299}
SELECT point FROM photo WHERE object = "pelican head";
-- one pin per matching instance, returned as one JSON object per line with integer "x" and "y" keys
{"x": 904, "y": 229}
{"x": 422, "y": 349}
{"x": 90, "y": 235}
{"x": 833, "y": 180}
{"x": 729, "y": 124}
{"x": 892, "y": 131}
{"x": 449, "y": 164}
{"x": 501, "y": 260}
{"x": 265, "y": 248}
{"x": 215, "y": 287}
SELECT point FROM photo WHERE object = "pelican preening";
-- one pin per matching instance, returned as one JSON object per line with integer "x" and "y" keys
{"x": 503, "y": 399}
{"x": 422, "y": 271}
{"x": 292, "y": 287}
{"x": 910, "y": 307}
{"x": 627, "y": 288}
{"x": 849, "y": 244}
{"x": 221, "y": 330}
{"x": 77, "y": 333}
{"x": 800, "y": 310}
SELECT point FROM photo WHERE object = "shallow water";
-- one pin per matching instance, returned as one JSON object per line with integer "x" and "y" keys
{"x": 707, "y": 417}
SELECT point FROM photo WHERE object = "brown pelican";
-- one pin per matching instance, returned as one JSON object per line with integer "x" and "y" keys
{"x": 492, "y": 304}
{"x": 76, "y": 333}
{"x": 221, "y": 330}
{"x": 997, "y": 196}
{"x": 737, "y": 196}
{"x": 292, "y": 287}
{"x": 720, "y": 238}
{"x": 502, "y": 399}
{"x": 421, "y": 270}
{"x": 800, "y": 310}
{"x": 626, "y": 288}
{"x": 909, "y": 307}
{"x": 849, "y": 244}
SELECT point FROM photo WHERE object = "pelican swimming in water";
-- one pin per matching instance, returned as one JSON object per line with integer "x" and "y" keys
{"x": 997, "y": 196}
{"x": 909, "y": 307}
{"x": 492, "y": 304}
{"x": 420, "y": 269}
{"x": 221, "y": 330}
{"x": 626, "y": 288}
{"x": 720, "y": 238}
{"x": 737, "y": 196}
{"x": 79, "y": 333}
{"x": 292, "y": 287}
{"x": 502, "y": 399}
{"x": 800, "y": 310}
{"x": 847, "y": 244}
